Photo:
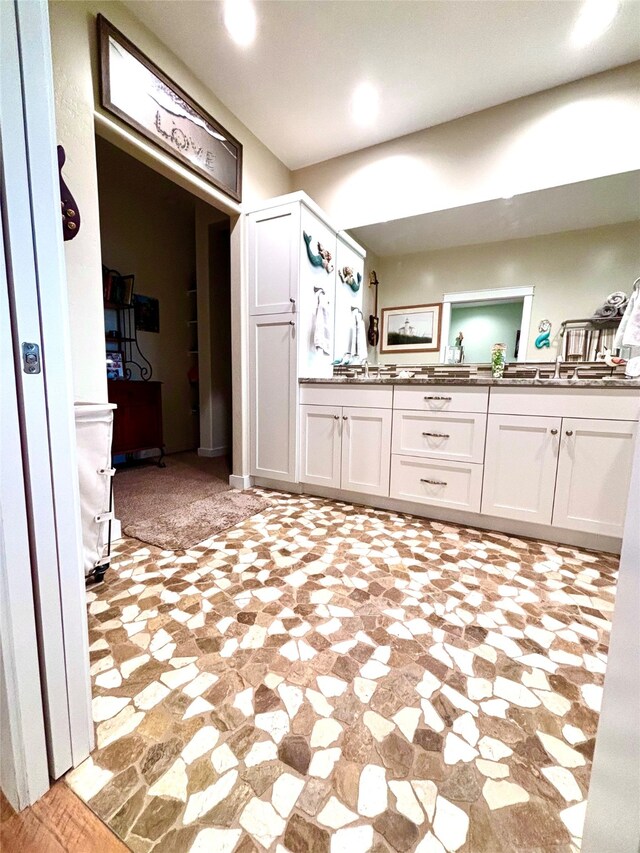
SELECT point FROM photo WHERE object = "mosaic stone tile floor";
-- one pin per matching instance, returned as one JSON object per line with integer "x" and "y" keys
{"x": 325, "y": 677}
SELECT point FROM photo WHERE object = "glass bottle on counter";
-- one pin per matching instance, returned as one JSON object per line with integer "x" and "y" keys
{"x": 498, "y": 360}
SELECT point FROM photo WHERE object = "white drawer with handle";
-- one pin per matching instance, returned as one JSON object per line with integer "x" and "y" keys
{"x": 437, "y": 482}
{"x": 457, "y": 436}
{"x": 441, "y": 398}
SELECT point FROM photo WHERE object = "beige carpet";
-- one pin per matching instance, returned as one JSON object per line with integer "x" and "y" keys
{"x": 183, "y": 504}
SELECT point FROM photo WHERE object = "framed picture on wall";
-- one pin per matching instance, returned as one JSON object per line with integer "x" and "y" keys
{"x": 115, "y": 365}
{"x": 411, "y": 328}
{"x": 147, "y": 313}
{"x": 140, "y": 94}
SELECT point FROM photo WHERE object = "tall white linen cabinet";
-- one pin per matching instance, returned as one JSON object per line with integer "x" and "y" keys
{"x": 286, "y": 282}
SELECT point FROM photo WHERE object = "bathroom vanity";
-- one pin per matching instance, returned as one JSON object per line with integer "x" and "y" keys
{"x": 546, "y": 458}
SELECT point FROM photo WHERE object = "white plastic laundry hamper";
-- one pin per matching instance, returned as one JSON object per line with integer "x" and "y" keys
{"x": 94, "y": 428}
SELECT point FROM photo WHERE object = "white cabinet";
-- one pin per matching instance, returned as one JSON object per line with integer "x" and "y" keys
{"x": 273, "y": 396}
{"x": 594, "y": 470}
{"x": 520, "y": 467}
{"x": 274, "y": 260}
{"x": 366, "y": 450}
{"x": 320, "y": 445}
{"x": 346, "y": 448}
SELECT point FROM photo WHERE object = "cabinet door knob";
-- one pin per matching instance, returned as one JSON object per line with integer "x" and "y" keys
{"x": 344, "y": 418}
{"x": 569, "y": 432}
{"x": 292, "y": 322}
{"x": 336, "y": 417}
{"x": 554, "y": 432}
{"x": 292, "y": 300}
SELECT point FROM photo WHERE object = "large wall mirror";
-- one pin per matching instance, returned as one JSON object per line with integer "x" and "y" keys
{"x": 504, "y": 270}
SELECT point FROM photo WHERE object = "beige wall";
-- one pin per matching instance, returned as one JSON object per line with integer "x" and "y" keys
{"x": 576, "y": 132}
{"x": 572, "y": 273}
{"x": 74, "y": 49}
{"x": 147, "y": 226}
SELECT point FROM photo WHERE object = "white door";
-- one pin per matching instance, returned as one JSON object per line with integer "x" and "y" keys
{"x": 37, "y": 322}
{"x": 274, "y": 397}
{"x": 520, "y": 467}
{"x": 594, "y": 471}
{"x": 320, "y": 443}
{"x": 273, "y": 260}
{"x": 366, "y": 450}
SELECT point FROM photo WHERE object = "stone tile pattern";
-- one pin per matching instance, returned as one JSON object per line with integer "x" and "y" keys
{"x": 326, "y": 677}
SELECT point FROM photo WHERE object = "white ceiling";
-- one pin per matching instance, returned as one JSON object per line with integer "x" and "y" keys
{"x": 587, "y": 204}
{"x": 431, "y": 61}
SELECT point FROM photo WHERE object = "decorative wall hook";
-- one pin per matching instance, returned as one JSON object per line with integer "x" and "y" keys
{"x": 543, "y": 339}
{"x": 322, "y": 259}
{"x": 347, "y": 277}
{"x": 70, "y": 212}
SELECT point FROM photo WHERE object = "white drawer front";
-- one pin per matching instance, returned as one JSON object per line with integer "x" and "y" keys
{"x": 618, "y": 404}
{"x": 436, "y": 482}
{"x": 441, "y": 398}
{"x": 440, "y": 436}
{"x": 362, "y": 396}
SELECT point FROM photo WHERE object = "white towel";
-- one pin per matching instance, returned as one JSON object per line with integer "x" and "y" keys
{"x": 629, "y": 329}
{"x": 321, "y": 330}
{"x": 358, "y": 345}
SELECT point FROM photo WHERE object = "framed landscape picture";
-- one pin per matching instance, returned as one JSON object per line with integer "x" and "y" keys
{"x": 411, "y": 328}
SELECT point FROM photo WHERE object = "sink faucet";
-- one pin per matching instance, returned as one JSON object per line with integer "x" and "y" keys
{"x": 556, "y": 372}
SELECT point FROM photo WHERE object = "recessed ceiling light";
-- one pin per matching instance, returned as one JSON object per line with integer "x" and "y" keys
{"x": 240, "y": 21}
{"x": 593, "y": 20}
{"x": 365, "y": 104}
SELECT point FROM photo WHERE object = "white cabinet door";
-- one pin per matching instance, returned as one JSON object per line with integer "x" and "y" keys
{"x": 594, "y": 470}
{"x": 346, "y": 298}
{"x": 520, "y": 467}
{"x": 273, "y": 260}
{"x": 315, "y": 344}
{"x": 274, "y": 392}
{"x": 366, "y": 450}
{"x": 320, "y": 442}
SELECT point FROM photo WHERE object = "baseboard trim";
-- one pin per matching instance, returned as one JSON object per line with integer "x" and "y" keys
{"x": 240, "y": 481}
{"x": 213, "y": 452}
{"x": 561, "y": 536}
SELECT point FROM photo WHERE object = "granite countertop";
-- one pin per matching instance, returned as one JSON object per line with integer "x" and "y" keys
{"x": 609, "y": 382}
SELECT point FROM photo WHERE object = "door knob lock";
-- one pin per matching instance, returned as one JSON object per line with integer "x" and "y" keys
{"x": 30, "y": 358}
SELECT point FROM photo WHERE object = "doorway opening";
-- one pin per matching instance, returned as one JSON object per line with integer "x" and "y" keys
{"x": 167, "y": 316}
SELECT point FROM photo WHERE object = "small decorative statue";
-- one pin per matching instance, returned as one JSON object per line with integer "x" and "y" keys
{"x": 347, "y": 277}
{"x": 543, "y": 339}
{"x": 322, "y": 259}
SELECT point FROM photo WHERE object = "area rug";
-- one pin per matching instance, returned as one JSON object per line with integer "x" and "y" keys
{"x": 178, "y": 506}
{"x": 197, "y": 521}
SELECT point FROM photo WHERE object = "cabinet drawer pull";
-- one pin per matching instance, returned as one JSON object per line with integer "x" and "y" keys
{"x": 433, "y": 482}
{"x": 437, "y": 398}
{"x": 437, "y": 434}
{"x": 554, "y": 432}
{"x": 569, "y": 432}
